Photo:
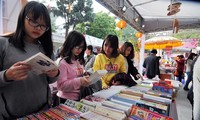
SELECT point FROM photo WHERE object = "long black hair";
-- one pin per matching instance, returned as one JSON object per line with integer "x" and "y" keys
{"x": 73, "y": 39}
{"x": 124, "y": 47}
{"x": 36, "y": 10}
{"x": 191, "y": 56}
{"x": 114, "y": 43}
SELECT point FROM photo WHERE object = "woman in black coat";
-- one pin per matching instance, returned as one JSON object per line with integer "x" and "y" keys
{"x": 127, "y": 51}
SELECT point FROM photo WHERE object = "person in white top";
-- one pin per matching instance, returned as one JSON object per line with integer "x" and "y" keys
{"x": 188, "y": 69}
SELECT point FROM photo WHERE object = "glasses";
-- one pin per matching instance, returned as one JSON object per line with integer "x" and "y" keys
{"x": 79, "y": 47}
{"x": 36, "y": 24}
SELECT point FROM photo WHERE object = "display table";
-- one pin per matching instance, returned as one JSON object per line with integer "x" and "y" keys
{"x": 63, "y": 112}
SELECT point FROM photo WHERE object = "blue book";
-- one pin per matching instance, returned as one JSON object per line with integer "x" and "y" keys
{"x": 125, "y": 100}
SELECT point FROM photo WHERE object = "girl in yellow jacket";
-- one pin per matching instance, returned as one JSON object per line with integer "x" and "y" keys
{"x": 109, "y": 59}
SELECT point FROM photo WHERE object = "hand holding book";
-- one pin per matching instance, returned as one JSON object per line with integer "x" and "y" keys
{"x": 97, "y": 76}
{"x": 84, "y": 81}
{"x": 18, "y": 71}
{"x": 42, "y": 64}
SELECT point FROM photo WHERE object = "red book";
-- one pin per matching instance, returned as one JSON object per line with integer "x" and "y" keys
{"x": 147, "y": 114}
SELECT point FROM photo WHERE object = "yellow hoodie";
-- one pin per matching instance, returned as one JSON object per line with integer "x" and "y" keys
{"x": 113, "y": 66}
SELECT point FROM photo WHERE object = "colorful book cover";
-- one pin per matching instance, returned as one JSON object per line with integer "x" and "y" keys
{"x": 157, "y": 105}
{"x": 78, "y": 106}
{"x": 134, "y": 118}
{"x": 60, "y": 112}
{"x": 145, "y": 114}
{"x": 152, "y": 108}
{"x": 92, "y": 100}
{"x": 160, "y": 94}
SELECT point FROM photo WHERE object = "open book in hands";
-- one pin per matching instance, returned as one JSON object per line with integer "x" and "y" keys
{"x": 41, "y": 63}
{"x": 97, "y": 76}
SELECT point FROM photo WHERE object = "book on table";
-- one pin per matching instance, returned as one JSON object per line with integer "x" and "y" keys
{"x": 91, "y": 115}
{"x": 104, "y": 113}
{"x": 107, "y": 93}
{"x": 145, "y": 114}
{"x": 81, "y": 107}
{"x": 117, "y": 106}
{"x": 97, "y": 76}
{"x": 41, "y": 63}
{"x": 92, "y": 100}
{"x": 110, "y": 112}
{"x": 60, "y": 112}
{"x": 152, "y": 108}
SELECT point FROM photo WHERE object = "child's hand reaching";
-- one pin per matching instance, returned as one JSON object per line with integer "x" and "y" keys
{"x": 84, "y": 81}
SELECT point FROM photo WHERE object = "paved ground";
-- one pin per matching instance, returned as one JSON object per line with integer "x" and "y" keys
{"x": 184, "y": 108}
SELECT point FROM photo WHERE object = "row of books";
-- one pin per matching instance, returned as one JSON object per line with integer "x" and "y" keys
{"x": 118, "y": 102}
{"x": 61, "y": 112}
{"x": 124, "y": 101}
{"x": 102, "y": 110}
{"x": 138, "y": 113}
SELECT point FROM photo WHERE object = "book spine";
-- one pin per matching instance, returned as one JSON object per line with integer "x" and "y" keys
{"x": 147, "y": 114}
{"x": 160, "y": 99}
{"x": 116, "y": 106}
{"x": 111, "y": 113}
{"x": 121, "y": 102}
{"x": 153, "y": 109}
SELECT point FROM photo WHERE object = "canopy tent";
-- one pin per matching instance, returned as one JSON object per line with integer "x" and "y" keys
{"x": 149, "y": 16}
{"x": 152, "y": 15}
{"x": 161, "y": 42}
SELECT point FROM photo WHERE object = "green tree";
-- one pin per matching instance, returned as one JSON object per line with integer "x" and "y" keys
{"x": 73, "y": 12}
{"x": 128, "y": 33}
{"x": 102, "y": 25}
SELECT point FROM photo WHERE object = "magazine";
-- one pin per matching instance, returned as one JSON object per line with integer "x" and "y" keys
{"x": 96, "y": 76}
{"x": 41, "y": 63}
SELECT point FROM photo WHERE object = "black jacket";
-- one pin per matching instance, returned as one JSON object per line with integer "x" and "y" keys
{"x": 132, "y": 69}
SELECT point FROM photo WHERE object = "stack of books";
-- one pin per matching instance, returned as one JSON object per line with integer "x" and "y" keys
{"x": 92, "y": 100}
{"x": 60, "y": 112}
{"x": 81, "y": 107}
{"x": 104, "y": 113}
{"x": 163, "y": 86}
{"x": 138, "y": 113}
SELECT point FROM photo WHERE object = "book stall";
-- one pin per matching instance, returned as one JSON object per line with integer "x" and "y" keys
{"x": 148, "y": 100}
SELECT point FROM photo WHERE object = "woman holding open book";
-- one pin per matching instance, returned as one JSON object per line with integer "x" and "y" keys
{"x": 71, "y": 68}
{"x": 109, "y": 59}
{"x": 23, "y": 92}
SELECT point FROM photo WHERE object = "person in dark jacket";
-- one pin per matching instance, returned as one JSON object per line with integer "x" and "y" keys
{"x": 127, "y": 51}
{"x": 151, "y": 65}
{"x": 180, "y": 60}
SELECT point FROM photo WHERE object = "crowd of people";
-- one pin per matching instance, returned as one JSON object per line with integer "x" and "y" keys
{"x": 23, "y": 92}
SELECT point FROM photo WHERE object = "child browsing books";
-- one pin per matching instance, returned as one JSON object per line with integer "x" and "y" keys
{"x": 109, "y": 59}
{"x": 22, "y": 91}
{"x": 71, "y": 68}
